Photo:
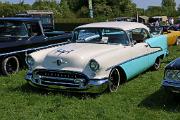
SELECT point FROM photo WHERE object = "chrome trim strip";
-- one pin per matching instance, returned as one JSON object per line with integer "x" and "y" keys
{"x": 132, "y": 59}
{"x": 59, "y": 83}
{"x": 57, "y": 78}
{"x": 171, "y": 83}
{"x": 34, "y": 49}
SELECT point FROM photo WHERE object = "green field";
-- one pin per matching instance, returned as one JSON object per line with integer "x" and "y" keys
{"x": 140, "y": 99}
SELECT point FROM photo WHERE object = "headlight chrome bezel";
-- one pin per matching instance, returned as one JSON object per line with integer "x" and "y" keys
{"x": 30, "y": 61}
{"x": 178, "y": 75}
{"x": 172, "y": 74}
{"x": 94, "y": 65}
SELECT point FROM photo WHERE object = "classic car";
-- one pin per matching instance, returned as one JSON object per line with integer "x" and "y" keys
{"x": 100, "y": 57}
{"x": 19, "y": 36}
{"x": 173, "y": 35}
{"x": 171, "y": 81}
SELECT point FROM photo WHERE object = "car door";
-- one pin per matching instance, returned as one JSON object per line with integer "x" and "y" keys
{"x": 139, "y": 53}
{"x": 15, "y": 36}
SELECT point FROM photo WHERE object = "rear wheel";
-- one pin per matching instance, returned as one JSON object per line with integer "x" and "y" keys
{"x": 10, "y": 65}
{"x": 178, "y": 41}
{"x": 114, "y": 80}
{"x": 157, "y": 64}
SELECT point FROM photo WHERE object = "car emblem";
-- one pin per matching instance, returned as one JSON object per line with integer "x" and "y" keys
{"x": 64, "y": 51}
{"x": 59, "y": 62}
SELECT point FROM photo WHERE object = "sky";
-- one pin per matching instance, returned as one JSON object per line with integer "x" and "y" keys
{"x": 139, "y": 3}
{"x": 146, "y": 3}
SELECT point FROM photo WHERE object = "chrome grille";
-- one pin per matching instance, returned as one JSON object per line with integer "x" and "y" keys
{"x": 61, "y": 78}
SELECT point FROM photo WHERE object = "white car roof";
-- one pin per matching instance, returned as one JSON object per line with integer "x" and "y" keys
{"x": 119, "y": 25}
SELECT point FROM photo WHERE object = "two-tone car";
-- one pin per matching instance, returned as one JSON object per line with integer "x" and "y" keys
{"x": 100, "y": 57}
{"x": 173, "y": 35}
{"x": 171, "y": 81}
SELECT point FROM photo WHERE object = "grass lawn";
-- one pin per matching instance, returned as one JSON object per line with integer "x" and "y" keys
{"x": 140, "y": 99}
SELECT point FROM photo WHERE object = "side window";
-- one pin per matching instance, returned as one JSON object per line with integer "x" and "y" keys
{"x": 145, "y": 34}
{"x": 139, "y": 35}
{"x": 33, "y": 29}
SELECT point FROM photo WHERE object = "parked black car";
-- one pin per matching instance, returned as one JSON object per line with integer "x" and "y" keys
{"x": 171, "y": 80}
{"x": 19, "y": 36}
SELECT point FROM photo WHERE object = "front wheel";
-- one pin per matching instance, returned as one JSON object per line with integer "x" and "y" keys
{"x": 114, "y": 80}
{"x": 10, "y": 65}
{"x": 157, "y": 64}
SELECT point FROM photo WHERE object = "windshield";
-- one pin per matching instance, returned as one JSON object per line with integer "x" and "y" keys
{"x": 13, "y": 29}
{"x": 101, "y": 36}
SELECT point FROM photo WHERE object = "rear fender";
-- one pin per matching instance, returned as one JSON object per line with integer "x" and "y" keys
{"x": 159, "y": 41}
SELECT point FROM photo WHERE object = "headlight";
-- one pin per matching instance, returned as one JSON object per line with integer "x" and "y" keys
{"x": 29, "y": 61}
{"x": 178, "y": 75}
{"x": 94, "y": 65}
{"x": 172, "y": 74}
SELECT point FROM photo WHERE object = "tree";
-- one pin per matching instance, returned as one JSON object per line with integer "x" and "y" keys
{"x": 178, "y": 10}
{"x": 155, "y": 11}
{"x": 122, "y": 7}
{"x": 64, "y": 9}
{"x": 169, "y": 6}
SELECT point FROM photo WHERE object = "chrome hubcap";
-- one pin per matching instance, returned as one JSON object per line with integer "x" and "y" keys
{"x": 114, "y": 80}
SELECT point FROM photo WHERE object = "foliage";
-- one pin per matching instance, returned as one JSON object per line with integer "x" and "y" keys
{"x": 178, "y": 10}
{"x": 103, "y": 9}
{"x": 169, "y": 6}
{"x": 155, "y": 11}
{"x": 7, "y": 9}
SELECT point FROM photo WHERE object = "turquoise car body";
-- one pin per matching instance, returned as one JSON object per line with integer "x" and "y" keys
{"x": 141, "y": 63}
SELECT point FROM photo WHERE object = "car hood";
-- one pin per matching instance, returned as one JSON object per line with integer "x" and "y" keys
{"x": 174, "y": 65}
{"x": 83, "y": 50}
{"x": 76, "y": 55}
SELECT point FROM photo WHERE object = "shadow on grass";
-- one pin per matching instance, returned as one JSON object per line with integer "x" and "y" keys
{"x": 26, "y": 88}
{"x": 162, "y": 100}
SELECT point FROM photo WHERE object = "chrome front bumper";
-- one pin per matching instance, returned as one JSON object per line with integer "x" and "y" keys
{"x": 171, "y": 85}
{"x": 93, "y": 85}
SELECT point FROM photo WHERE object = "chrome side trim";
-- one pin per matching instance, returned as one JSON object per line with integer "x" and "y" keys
{"x": 133, "y": 59}
{"x": 34, "y": 49}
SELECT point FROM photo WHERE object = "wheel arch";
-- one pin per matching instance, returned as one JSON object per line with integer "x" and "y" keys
{"x": 122, "y": 73}
{"x": 161, "y": 56}
{"x": 19, "y": 56}
{"x": 178, "y": 37}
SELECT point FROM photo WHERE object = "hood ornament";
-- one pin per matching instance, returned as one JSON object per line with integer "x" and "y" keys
{"x": 61, "y": 51}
